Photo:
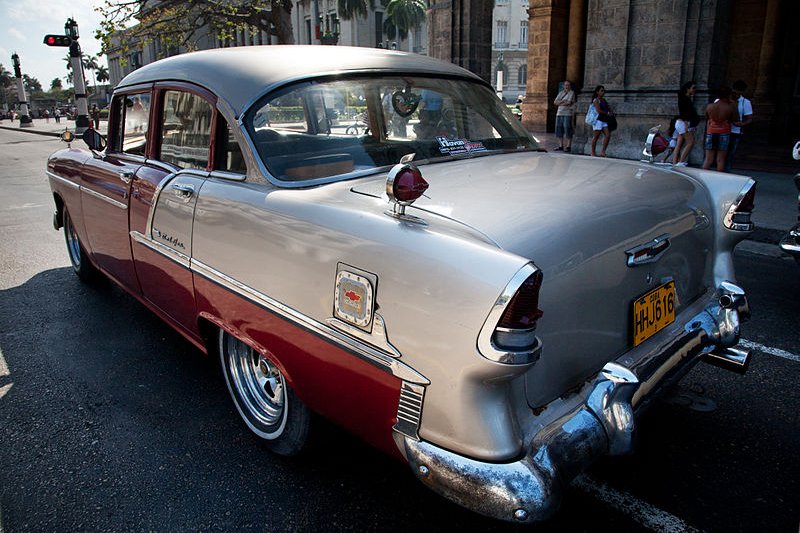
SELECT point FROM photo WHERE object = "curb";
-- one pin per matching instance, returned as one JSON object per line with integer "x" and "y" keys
{"x": 30, "y": 130}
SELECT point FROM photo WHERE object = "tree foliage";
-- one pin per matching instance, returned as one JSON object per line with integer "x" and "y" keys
{"x": 6, "y": 77}
{"x": 32, "y": 85}
{"x": 56, "y": 85}
{"x": 180, "y": 23}
{"x": 406, "y": 15}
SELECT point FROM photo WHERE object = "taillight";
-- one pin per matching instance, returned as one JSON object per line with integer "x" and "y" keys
{"x": 516, "y": 329}
{"x": 739, "y": 215}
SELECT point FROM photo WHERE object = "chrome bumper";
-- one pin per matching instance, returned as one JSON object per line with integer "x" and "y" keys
{"x": 531, "y": 488}
{"x": 791, "y": 241}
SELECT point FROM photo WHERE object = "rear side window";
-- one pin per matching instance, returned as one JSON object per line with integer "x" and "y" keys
{"x": 186, "y": 130}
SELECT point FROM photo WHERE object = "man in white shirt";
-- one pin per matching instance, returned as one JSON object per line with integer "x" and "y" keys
{"x": 745, "y": 108}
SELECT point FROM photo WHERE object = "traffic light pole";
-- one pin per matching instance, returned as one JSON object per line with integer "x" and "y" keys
{"x": 79, "y": 84}
{"x": 78, "y": 79}
{"x": 25, "y": 120}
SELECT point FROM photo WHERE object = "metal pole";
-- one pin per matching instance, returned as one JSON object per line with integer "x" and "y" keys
{"x": 25, "y": 120}
{"x": 78, "y": 79}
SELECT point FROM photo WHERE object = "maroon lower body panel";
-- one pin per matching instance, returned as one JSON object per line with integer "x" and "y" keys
{"x": 330, "y": 380}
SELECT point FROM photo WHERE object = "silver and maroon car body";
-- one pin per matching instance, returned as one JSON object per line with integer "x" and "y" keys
{"x": 394, "y": 322}
{"x": 790, "y": 243}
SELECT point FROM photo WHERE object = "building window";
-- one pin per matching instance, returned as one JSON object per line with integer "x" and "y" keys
{"x": 523, "y": 34}
{"x": 522, "y": 75}
{"x": 502, "y": 34}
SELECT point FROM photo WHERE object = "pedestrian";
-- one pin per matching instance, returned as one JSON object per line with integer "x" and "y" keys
{"x": 745, "y": 109}
{"x": 605, "y": 123}
{"x": 720, "y": 115}
{"x": 95, "y": 114}
{"x": 46, "y": 114}
{"x": 565, "y": 102}
{"x": 57, "y": 115}
{"x": 686, "y": 125}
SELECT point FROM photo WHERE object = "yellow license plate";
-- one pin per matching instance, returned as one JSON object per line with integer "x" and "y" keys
{"x": 653, "y": 312}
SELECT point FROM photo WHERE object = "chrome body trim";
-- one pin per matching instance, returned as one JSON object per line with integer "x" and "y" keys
{"x": 104, "y": 198}
{"x": 648, "y": 252}
{"x": 486, "y": 345}
{"x": 377, "y": 338}
{"x": 62, "y": 180}
{"x": 409, "y": 410}
{"x": 170, "y": 253}
{"x": 355, "y": 346}
{"x": 600, "y": 421}
{"x": 225, "y": 175}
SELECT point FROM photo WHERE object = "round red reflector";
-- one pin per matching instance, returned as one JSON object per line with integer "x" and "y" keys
{"x": 409, "y": 185}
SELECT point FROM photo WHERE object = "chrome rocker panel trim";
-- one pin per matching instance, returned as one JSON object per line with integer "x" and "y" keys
{"x": 603, "y": 423}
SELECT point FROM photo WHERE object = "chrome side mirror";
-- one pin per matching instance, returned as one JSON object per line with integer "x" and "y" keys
{"x": 94, "y": 140}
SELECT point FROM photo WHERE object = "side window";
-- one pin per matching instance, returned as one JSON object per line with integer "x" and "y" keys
{"x": 136, "y": 112}
{"x": 229, "y": 152}
{"x": 186, "y": 130}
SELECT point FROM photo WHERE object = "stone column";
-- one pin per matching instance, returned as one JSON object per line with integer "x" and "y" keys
{"x": 460, "y": 31}
{"x": 576, "y": 41}
{"x": 547, "y": 40}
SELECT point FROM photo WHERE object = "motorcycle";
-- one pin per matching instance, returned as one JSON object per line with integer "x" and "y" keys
{"x": 791, "y": 241}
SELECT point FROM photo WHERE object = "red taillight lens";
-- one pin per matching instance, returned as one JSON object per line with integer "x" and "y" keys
{"x": 409, "y": 184}
{"x": 523, "y": 310}
{"x": 738, "y": 217}
{"x": 748, "y": 202}
{"x": 517, "y": 325}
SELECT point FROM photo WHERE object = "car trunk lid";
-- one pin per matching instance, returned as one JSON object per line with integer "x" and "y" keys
{"x": 576, "y": 217}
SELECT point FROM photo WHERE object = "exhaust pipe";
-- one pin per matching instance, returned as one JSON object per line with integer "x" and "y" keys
{"x": 733, "y": 359}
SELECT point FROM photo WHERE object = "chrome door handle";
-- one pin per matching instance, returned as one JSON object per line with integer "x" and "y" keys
{"x": 126, "y": 176}
{"x": 183, "y": 191}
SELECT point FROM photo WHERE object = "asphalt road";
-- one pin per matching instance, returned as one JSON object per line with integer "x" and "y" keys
{"x": 111, "y": 421}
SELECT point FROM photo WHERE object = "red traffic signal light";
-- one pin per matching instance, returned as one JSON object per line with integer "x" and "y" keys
{"x": 57, "y": 40}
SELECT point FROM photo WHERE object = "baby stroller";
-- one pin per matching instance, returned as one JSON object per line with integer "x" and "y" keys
{"x": 657, "y": 148}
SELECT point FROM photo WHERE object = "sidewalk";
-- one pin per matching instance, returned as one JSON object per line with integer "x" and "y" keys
{"x": 776, "y": 196}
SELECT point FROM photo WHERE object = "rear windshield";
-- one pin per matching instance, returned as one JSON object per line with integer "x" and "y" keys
{"x": 322, "y": 130}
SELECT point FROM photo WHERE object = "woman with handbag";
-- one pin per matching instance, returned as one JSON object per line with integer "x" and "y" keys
{"x": 605, "y": 123}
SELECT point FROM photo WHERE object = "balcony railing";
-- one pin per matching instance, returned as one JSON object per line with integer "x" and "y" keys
{"x": 499, "y": 44}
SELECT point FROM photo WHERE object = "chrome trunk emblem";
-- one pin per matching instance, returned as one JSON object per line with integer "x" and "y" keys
{"x": 649, "y": 252}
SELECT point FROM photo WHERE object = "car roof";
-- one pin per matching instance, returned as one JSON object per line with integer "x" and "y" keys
{"x": 240, "y": 75}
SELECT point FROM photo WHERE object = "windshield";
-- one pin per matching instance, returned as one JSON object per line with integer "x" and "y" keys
{"x": 315, "y": 131}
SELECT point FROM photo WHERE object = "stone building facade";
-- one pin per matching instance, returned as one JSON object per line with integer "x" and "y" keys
{"x": 510, "y": 47}
{"x": 643, "y": 50}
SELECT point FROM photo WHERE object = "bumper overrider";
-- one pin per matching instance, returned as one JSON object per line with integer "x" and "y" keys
{"x": 531, "y": 488}
{"x": 791, "y": 241}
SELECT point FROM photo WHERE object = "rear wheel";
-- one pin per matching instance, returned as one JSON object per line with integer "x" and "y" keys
{"x": 77, "y": 256}
{"x": 263, "y": 398}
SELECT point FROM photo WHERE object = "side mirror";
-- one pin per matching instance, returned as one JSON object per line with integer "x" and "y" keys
{"x": 94, "y": 140}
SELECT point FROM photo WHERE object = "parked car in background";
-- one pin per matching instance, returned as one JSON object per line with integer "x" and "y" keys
{"x": 494, "y": 316}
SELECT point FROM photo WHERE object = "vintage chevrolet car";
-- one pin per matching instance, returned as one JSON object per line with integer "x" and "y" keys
{"x": 372, "y": 237}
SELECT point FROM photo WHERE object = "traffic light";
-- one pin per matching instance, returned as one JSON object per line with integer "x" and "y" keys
{"x": 57, "y": 40}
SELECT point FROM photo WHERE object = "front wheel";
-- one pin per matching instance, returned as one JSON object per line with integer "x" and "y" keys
{"x": 266, "y": 403}
{"x": 77, "y": 255}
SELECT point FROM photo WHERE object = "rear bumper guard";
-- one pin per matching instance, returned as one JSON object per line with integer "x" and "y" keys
{"x": 531, "y": 488}
{"x": 791, "y": 241}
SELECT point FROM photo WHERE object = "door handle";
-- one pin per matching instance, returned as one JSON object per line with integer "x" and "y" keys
{"x": 126, "y": 175}
{"x": 183, "y": 191}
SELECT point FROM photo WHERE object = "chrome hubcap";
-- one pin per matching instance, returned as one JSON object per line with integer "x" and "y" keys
{"x": 258, "y": 381}
{"x": 73, "y": 244}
